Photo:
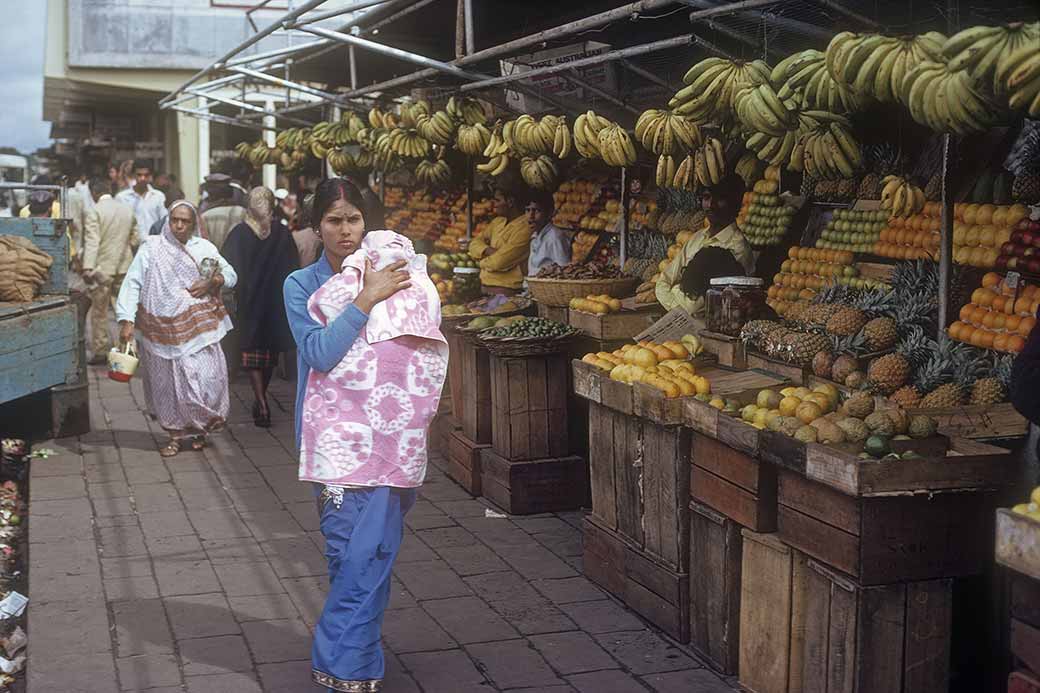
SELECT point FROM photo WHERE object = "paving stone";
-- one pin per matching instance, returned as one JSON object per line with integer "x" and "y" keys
{"x": 126, "y": 540}
{"x": 146, "y": 474}
{"x": 450, "y": 671}
{"x": 644, "y": 652}
{"x": 141, "y": 628}
{"x": 513, "y": 664}
{"x": 308, "y": 594}
{"x": 413, "y": 549}
{"x": 109, "y": 507}
{"x": 296, "y": 677}
{"x": 185, "y": 480}
{"x": 609, "y": 681}
{"x": 206, "y": 498}
{"x": 306, "y": 514}
{"x": 445, "y": 537}
{"x": 688, "y": 681}
{"x": 428, "y": 521}
{"x": 182, "y": 576}
{"x": 543, "y": 524}
{"x": 70, "y": 672}
{"x": 395, "y": 678}
{"x": 141, "y": 672}
{"x": 503, "y": 586}
{"x": 569, "y": 590}
{"x": 263, "y": 607}
{"x": 431, "y": 580}
{"x": 278, "y": 641}
{"x": 126, "y": 566}
{"x": 413, "y": 630}
{"x": 239, "y": 682}
{"x": 246, "y": 579}
{"x": 61, "y": 465}
{"x": 70, "y": 627}
{"x": 275, "y": 524}
{"x": 116, "y": 520}
{"x": 63, "y": 563}
{"x": 60, "y": 520}
{"x": 186, "y": 462}
{"x": 462, "y": 508}
{"x": 285, "y": 483}
{"x": 130, "y": 588}
{"x": 497, "y": 532}
{"x": 534, "y": 561}
{"x": 573, "y": 652}
{"x": 216, "y": 655}
{"x": 531, "y": 617}
{"x": 439, "y": 488}
{"x": 102, "y": 473}
{"x": 110, "y": 489}
{"x": 218, "y": 524}
{"x": 238, "y": 550}
{"x": 200, "y": 616}
{"x": 255, "y": 499}
{"x": 603, "y": 616}
{"x": 170, "y": 523}
{"x": 154, "y": 498}
{"x": 400, "y": 598}
{"x": 469, "y": 620}
{"x": 564, "y": 546}
{"x": 475, "y": 559}
{"x": 295, "y": 557}
{"x": 249, "y": 478}
{"x": 184, "y": 547}
{"x": 58, "y": 487}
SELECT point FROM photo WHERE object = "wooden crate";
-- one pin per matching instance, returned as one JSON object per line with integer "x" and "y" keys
{"x": 742, "y": 386}
{"x": 463, "y": 462}
{"x": 1025, "y": 643}
{"x": 525, "y": 487}
{"x": 529, "y": 406}
{"x": 715, "y": 562}
{"x": 887, "y": 538}
{"x": 772, "y": 611}
{"x": 732, "y": 482}
{"x": 622, "y": 325}
{"x": 1023, "y": 682}
{"x": 442, "y": 427}
{"x": 557, "y": 313}
{"x": 456, "y": 346}
{"x": 639, "y": 474}
{"x": 1018, "y": 543}
{"x": 595, "y": 385}
{"x": 886, "y": 639}
{"x": 787, "y": 371}
{"x": 647, "y": 586}
{"x": 991, "y": 421}
{"x": 728, "y": 350}
{"x": 476, "y": 393}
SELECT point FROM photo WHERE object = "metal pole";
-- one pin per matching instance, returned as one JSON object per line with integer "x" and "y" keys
{"x": 643, "y": 49}
{"x": 460, "y": 29}
{"x": 648, "y": 76}
{"x": 851, "y": 14}
{"x": 623, "y": 238}
{"x": 203, "y": 143}
{"x": 222, "y": 82}
{"x": 218, "y": 118}
{"x": 264, "y": 77}
{"x": 601, "y": 93}
{"x": 469, "y": 198}
{"x": 793, "y": 24}
{"x": 468, "y": 9}
{"x": 276, "y": 53}
{"x": 270, "y": 172}
{"x": 946, "y": 232}
{"x": 353, "y": 67}
{"x": 336, "y": 113}
{"x": 256, "y": 109}
{"x": 322, "y": 16}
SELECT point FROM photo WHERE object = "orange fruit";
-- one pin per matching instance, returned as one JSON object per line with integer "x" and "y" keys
{"x": 998, "y": 303}
{"x": 968, "y": 334}
{"x": 989, "y": 320}
{"x": 985, "y": 340}
{"x": 999, "y": 320}
{"x": 977, "y": 315}
{"x": 955, "y": 330}
{"x": 1023, "y": 305}
{"x": 1026, "y": 326}
{"x": 985, "y": 214}
{"x": 990, "y": 279}
{"x": 1000, "y": 342}
{"x": 1011, "y": 322}
{"x": 1015, "y": 344}
{"x": 966, "y": 311}
{"x": 983, "y": 297}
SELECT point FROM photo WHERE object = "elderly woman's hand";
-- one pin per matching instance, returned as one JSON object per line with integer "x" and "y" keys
{"x": 126, "y": 331}
{"x": 205, "y": 286}
{"x": 382, "y": 284}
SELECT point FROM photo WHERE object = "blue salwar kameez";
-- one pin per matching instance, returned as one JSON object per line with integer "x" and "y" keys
{"x": 363, "y": 528}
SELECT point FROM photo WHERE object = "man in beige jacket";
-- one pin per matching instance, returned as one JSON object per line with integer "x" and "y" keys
{"x": 109, "y": 240}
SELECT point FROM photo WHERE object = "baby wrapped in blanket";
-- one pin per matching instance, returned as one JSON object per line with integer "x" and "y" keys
{"x": 365, "y": 422}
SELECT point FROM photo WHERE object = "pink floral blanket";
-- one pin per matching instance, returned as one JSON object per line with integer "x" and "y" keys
{"x": 365, "y": 422}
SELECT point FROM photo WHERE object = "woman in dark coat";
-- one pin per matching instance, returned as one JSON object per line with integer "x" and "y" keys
{"x": 263, "y": 254}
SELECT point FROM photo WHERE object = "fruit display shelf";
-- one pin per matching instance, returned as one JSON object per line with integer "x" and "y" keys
{"x": 999, "y": 317}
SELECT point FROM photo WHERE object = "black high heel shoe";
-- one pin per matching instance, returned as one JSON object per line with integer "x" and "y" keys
{"x": 260, "y": 418}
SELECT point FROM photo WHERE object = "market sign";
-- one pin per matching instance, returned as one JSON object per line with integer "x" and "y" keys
{"x": 601, "y": 75}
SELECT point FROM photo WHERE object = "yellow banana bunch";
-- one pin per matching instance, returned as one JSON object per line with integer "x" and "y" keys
{"x": 758, "y": 108}
{"x": 616, "y": 147}
{"x": 663, "y": 132}
{"x": 774, "y": 150}
{"x": 438, "y": 128}
{"x": 874, "y": 66}
{"x": 586, "y": 134}
{"x": 375, "y": 118}
{"x": 980, "y": 49}
{"x": 525, "y": 136}
{"x": 496, "y": 145}
{"x": 411, "y": 112}
{"x": 665, "y": 171}
{"x": 826, "y": 149}
{"x": 1018, "y": 73}
{"x": 331, "y": 134}
{"x": 472, "y": 139}
{"x": 433, "y": 173}
{"x": 496, "y": 165}
{"x": 709, "y": 162}
{"x": 242, "y": 149}
{"x": 340, "y": 161}
{"x": 386, "y": 161}
{"x": 539, "y": 172}
{"x": 747, "y": 168}
{"x": 354, "y": 124}
{"x": 711, "y": 85}
{"x": 900, "y": 197}
{"x": 684, "y": 174}
{"x": 466, "y": 109}
{"x": 561, "y": 139}
{"x": 407, "y": 143}
{"x": 947, "y": 101}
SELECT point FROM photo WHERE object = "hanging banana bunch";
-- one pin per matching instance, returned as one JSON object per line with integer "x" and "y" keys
{"x": 525, "y": 136}
{"x": 684, "y": 178}
{"x": 472, "y": 139}
{"x": 747, "y": 168}
{"x": 665, "y": 133}
{"x": 496, "y": 165}
{"x": 711, "y": 86}
{"x": 1018, "y": 73}
{"x": 666, "y": 171}
{"x": 586, "y": 134}
{"x": 948, "y": 101}
{"x": 802, "y": 81}
{"x": 760, "y": 109}
{"x": 433, "y": 173}
{"x": 539, "y": 172}
{"x": 438, "y": 128}
{"x": 980, "y": 50}
{"x": 376, "y": 118}
{"x": 709, "y": 162}
{"x": 341, "y": 161}
{"x": 466, "y": 109}
{"x": 874, "y": 66}
{"x": 407, "y": 143}
{"x": 616, "y": 147}
{"x": 354, "y": 124}
{"x": 901, "y": 197}
{"x": 827, "y": 151}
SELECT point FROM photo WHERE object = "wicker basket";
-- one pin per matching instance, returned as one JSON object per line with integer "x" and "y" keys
{"x": 454, "y": 321}
{"x": 525, "y": 346}
{"x": 559, "y": 292}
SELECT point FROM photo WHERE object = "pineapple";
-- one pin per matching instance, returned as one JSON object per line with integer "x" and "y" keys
{"x": 907, "y": 397}
{"x": 876, "y": 303}
{"x": 846, "y": 322}
{"x": 880, "y": 333}
{"x": 933, "y": 191}
{"x": 889, "y": 372}
{"x": 855, "y": 345}
{"x": 1026, "y": 187}
{"x": 993, "y": 388}
{"x": 870, "y": 187}
{"x": 941, "y": 376}
{"x": 799, "y": 348}
{"x": 944, "y": 396}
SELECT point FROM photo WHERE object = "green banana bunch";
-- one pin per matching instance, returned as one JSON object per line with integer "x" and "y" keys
{"x": 1018, "y": 72}
{"x": 947, "y": 101}
{"x": 776, "y": 150}
{"x": 472, "y": 139}
{"x": 663, "y": 132}
{"x": 709, "y": 162}
{"x": 826, "y": 148}
{"x": 539, "y": 172}
{"x": 747, "y": 168}
{"x": 407, "y": 143}
{"x": 711, "y": 85}
{"x": 758, "y": 108}
{"x": 874, "y": 66}
{"x": 411, "y": 111}
{"x": 561, "y": 139}
{"x": 980, "y": 49}
{"x": 341, "y": 161}
{"x": 433, "y": 173}
{"x": 354, "y": 124}
{"x": 466, "y": 109}
{"x": 616, "y": 147}
{"x": 802, "y": 81}
{"x": 496, "y": 165}
{"x": 438, "y": 128}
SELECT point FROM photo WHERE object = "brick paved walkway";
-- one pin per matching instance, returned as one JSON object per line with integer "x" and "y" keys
{"x": 204, "y": 573}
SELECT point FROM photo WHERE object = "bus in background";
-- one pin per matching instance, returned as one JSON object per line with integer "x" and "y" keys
{"x": 14, "y": 169}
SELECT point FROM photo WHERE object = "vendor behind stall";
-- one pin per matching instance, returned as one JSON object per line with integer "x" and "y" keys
{"x": 721, "y": 202}
{"x": 549, "y": 243}
{"x": 502, "y": 247}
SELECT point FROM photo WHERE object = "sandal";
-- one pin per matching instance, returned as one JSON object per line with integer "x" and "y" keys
{"x": 171, "y": 449}
{"x": 198, "y": 443}
{"x": 261, "y": 419}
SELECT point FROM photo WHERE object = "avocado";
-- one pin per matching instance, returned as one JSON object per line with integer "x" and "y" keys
{"x": 876, "y": 446}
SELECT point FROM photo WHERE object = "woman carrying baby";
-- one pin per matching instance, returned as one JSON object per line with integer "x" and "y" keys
{"x": 371, "y": 364}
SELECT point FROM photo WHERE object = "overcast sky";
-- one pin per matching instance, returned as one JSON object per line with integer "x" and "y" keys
{"x": 21, "y": 64}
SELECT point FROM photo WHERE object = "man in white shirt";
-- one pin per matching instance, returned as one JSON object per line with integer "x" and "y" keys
{"x": 149, "y": 204}
{"x": 549, "y": 244}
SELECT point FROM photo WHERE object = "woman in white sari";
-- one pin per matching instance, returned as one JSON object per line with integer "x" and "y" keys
{"x": 172, "y": 295}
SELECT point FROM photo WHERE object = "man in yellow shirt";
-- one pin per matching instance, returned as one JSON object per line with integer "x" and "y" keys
{"x": 501, "y": 248}
{"x": 721, "y": 203}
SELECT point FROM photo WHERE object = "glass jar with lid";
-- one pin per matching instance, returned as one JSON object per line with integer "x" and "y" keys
{"x": 467, "y": 284}
{"x": 732, "y": 302}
